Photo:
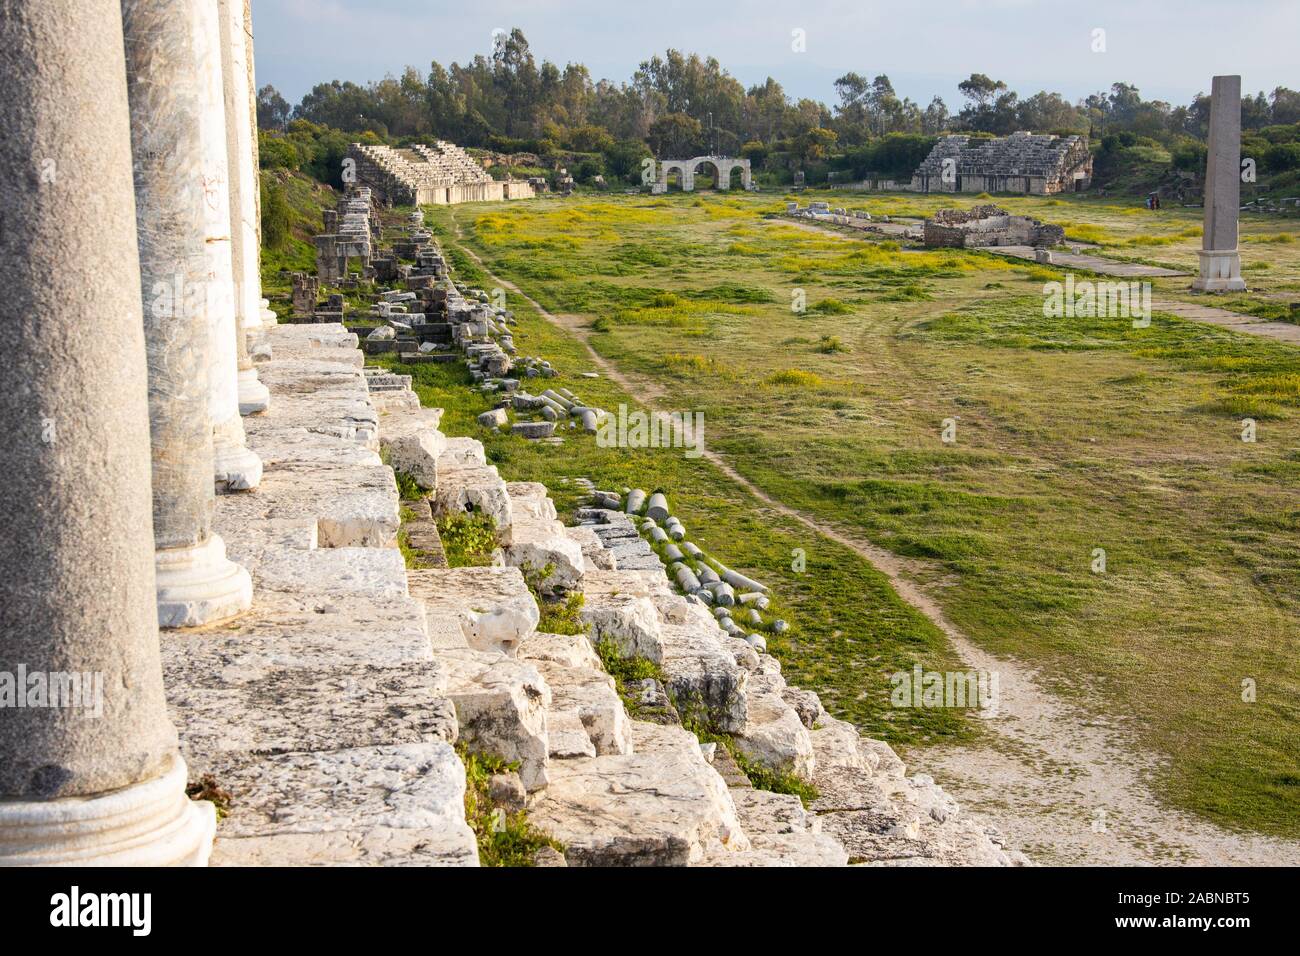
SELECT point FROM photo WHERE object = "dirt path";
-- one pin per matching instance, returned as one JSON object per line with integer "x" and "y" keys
{"x": 1064, "y": 785}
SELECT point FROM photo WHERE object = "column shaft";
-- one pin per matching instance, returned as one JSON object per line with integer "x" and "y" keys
{"x": 76, "y": 541}
{"x": 196, "y": 584}
{"x": 236, "y": 468}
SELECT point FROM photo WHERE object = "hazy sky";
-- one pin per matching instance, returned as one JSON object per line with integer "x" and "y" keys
{"x": 1168, "y": 48}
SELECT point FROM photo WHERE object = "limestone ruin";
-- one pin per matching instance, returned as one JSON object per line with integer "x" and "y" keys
{"x": 687, "y": 169}
{"x": 303, "y": 669}
{"x": 438, "y": 175}
{"x": 988, "y": 225}
{"x": 1034, "y": 164}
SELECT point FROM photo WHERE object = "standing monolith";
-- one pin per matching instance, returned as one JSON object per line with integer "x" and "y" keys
{"x": 1220, "y": 260}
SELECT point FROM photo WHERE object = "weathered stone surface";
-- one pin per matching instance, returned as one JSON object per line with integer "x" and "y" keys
{"x": 595, "y": 557}
{"x": 328, "y": 572}
{"x": 290, "y": 630}
{"x": 451, "y": 845}
{"x": 354, "y": 506}
{"x": 285, "y": 709}
{"x": 659, "y": 806}
{"x": 472, "y": 488}
{"x": 501, "y": 708}
{"x": 410, "y": 786}
{"x": 414, "y": 444}
{"x": 537, "y": 543}
{"x": 531, "y": 498}
{"x": 568, "y": 738}
{"x": 618, "y": 608}
{"x": 589, "y": 692}
{"x": 567, "y": 650}
{"x": 703, "y": 673}
{"x": 493, "y": 606}
{"x": 774, "y": 736}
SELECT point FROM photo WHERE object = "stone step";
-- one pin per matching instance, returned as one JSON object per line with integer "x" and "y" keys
{"x": 661, "y": 805}
{"x": 492, "y": 606}
{"x": 501, "y": 707}
{"x": 398, "y": 805}
{"x": 537, "y": 540}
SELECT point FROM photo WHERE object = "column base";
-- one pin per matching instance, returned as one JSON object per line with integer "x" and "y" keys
{"x": 254, "y": 397}
{"x": 199, "y": 585}
{"x": 1220, "y": 271}
{"x": 264, "y": 310}
{"x": 152, "y": 823}
{"x": 235, "y": 467}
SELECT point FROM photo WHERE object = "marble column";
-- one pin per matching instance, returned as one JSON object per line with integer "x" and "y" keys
{"x": 196, "y": 583}
{"x": 1220, "y": 260}
{"x": 264, "y": 305}
{"x": 235, "y": 466}
{"x": 89, "y": 768}
{"x": 245, "y": 250}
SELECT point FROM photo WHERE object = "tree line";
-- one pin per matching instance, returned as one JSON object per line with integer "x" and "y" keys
{"x": 684, "y": 104}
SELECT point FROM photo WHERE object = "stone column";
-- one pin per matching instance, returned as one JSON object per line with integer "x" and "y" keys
{"x": 253, "y": 395}
{"x": 196, "y": 584}
{"x": 236, "y": 468}
{"x": 1220, "y": 261}
{"x": 89, "y": 768}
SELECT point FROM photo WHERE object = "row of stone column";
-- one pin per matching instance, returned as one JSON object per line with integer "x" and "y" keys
{"x": 129, "y": 264}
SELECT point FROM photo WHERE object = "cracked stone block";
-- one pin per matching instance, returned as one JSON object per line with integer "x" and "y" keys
{"x": 501, "y": 709}
{"x": 774, "y": 736}
{"x": 286, "y": 709}
{"x": 701, "y": 672}
{"x": 567, "y": 736}
{"x": 590, "y": 693}
{"x": 662, "y": 805}
{"x": 493, "y": 606}
{"x": 617, "y": 607}
{"x": 414, "y": 444}
{"x": 595, "y": 557}
{"x": 567, "y": 650}
{"x": 475, "y": 489}
{"x": 536, "y": 543}
{"x": 346, "y": 806}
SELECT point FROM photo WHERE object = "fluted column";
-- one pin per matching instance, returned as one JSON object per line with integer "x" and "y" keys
{"x": 235, "y": 466}
{"x": 89, "y": 767}
{"x": 196, "y": 583}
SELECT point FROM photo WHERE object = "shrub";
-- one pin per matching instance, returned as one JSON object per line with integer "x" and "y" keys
{"x": 794, "y": 376}
{"x": 468, "y": 540}
{"x": 277, "y": 217}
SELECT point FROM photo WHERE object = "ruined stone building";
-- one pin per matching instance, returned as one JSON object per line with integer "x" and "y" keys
{"x": 988, "y": 225}
{"x": 1029, "y": 163}
{"x": 439, "y": 175}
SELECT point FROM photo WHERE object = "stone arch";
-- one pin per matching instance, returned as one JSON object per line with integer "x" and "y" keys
{"x": 700, "y": 164}
{"x": 685, "y": 180}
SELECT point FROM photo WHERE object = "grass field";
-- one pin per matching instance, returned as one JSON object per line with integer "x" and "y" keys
{"x": 1072, "y": 435}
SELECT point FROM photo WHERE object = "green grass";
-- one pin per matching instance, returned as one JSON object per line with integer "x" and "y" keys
{"x": 467, "y": 540}
{"x": 1071, "y": 435}
{"x": 505, "y": 837}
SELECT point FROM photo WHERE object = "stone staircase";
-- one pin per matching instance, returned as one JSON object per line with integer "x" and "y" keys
{"x": 328, "y": 713}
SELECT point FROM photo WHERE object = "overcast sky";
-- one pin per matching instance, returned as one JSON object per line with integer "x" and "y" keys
{"x": 1168, "y": 48}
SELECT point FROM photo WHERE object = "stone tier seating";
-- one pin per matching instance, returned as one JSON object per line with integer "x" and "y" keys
{"x": 329, "y": 711}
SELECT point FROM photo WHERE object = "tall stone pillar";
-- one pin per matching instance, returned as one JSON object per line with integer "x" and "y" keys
{"x": 89, "y": 768}
{"x": 1220, "y": 260}
{"x": 245, "y": 251}
{"x": 196, "y": 584}
{"x": 236, "y": 468}
{"x": 264, "y": 305}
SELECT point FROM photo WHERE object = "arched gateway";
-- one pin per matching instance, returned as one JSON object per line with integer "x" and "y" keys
{"x": 686, "y": 168}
